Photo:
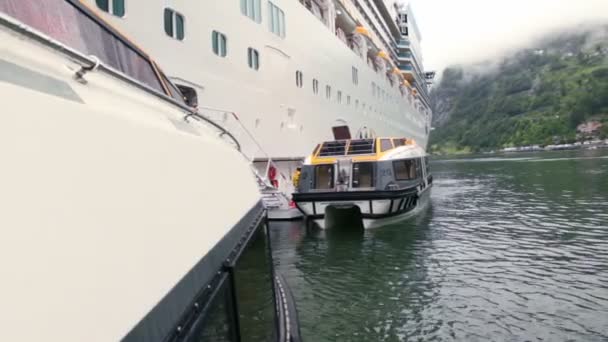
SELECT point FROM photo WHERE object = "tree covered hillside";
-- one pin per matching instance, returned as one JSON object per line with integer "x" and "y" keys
{"x": 535, "y": 96}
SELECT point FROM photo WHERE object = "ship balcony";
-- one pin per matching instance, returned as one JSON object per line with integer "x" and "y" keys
{"x": 403, "y": 44}
{"x": 404, "y": 56}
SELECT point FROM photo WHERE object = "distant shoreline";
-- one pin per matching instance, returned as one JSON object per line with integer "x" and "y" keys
{"x": 535, "y": 148}
{"x": 587, "y": 145}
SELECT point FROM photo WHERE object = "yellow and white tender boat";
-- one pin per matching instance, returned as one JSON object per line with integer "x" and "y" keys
{"x": 382, "y": 179}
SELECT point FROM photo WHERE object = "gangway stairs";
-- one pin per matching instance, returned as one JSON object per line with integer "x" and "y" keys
{"x": 276, "y": 201}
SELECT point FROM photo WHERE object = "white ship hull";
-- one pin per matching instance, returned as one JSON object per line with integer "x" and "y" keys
{"x": 286, "y": 120}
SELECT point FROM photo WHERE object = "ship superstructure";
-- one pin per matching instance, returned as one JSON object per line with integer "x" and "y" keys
{"x": 290, "y": 72}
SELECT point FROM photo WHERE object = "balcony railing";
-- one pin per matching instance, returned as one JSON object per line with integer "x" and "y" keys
{"x": 403, "y": 43}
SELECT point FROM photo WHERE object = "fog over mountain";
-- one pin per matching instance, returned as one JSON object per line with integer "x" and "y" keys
{"x": 470, "y": 31}
{"x": 537, "y": 95}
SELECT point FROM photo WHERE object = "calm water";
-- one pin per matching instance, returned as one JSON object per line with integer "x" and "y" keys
{"x": 510, "y": 248}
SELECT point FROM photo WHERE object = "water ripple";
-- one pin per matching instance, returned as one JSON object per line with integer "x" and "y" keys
{"x": 509, "y": 250}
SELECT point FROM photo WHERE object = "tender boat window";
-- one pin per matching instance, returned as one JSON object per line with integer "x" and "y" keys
{"x": 174, "y": 24}
{"x": 253, "y": 58}
{"x": 277, "y": 20}
{"x": 333, "y": 148}
{"x": 405, "y": 169}
{"x": 363, "y": 175}
{"x": 362, "y": 146}
{"x": 315, "y": 86}
{"x": 86, "y": 34}
{"x": 385, "y": 145}
{"x": 398, "y": 142}
{"x": 115, "y": 7}
{"x": 179, "y": 94}
{"x": 252, "y": 9}
{"x": 254, "y": 293}
{"x": 189, "y": 95}
{"x": 299, "y": 79}
{"x": 324, "y": 176}
{"x": 219, "y": 43}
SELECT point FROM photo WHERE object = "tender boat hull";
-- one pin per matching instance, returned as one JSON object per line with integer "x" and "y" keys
{"x": 375, "y": 208}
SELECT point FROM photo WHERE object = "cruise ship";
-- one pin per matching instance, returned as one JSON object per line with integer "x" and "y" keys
{"x": 282, "y": 75}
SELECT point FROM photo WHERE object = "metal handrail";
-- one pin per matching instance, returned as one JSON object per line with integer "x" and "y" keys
{"x": 251, "y": 137}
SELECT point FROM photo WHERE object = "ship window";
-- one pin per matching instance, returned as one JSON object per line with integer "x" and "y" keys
{"x": 116, "y": 7}
{"x": 169, "y": 22}
{"x": 252, "y": 9}
{"x": 253, "y": 58}
{"x": 299, "y": 79}
{"x": 254, "y": 290}
{"x": 219, "y": 43}
{"x": 373, "y": 89}
{"x": 348, "y": 100}
{"x": 174, "y": 24}
{"x": 328, "y": 91}
{"x": 355, "y": 76}
{"x": 179, "y": 26}
{"x": 324, "y": 176}
{"x": 385, "y": 145}
{"x": 103, "y": 5}
{"x": 339, "y": 96}
{"x": 357, "y": 104}
{"x": 405, "y": 169}
{"x": 363, "y": 175}
{"x": 315, "y": 86}
{"x": 277, "y": 20}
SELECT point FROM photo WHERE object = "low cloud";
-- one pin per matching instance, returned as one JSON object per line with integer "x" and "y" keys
{"x": 470, "y": 31}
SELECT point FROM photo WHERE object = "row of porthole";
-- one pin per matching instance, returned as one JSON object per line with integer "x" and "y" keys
{"x": 174, "y": 22}
{"x": 219, "y": 45}
{"x": 175, "y": 27}
{"x": 328, "y": 93}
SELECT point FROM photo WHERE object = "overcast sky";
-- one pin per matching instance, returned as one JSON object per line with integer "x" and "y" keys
{"x": 462, "y": 31}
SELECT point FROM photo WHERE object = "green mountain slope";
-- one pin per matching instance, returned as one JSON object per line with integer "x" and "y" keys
{"x": 535, "y": 96}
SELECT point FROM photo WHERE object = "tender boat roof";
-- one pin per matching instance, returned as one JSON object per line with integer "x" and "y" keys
{"x": 365, "y": 150}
